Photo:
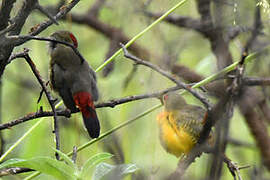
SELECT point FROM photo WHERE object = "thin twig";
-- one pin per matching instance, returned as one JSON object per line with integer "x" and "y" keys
{"x": 44, "y": 11}
{"x": 28, "y": 37}
{"x": 168, "y": 75}
{"x": 14, "y": 170}
{"x": 48, "y": 95}
{"x": 74, "y": 154}
{"x": 256, "y": 81}
{"x": 111, "y": 103}
{"x": 31, "y": 116}
{"x": 233, "y": 167}
{"x": 96, "y": 7}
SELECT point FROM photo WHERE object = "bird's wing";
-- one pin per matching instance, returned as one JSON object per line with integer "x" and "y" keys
{"x": 60, "y": 85}
{"x": 94, "y": 88}
{"x": 191, "y": 119}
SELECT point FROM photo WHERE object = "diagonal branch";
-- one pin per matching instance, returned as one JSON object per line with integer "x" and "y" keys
{"x": 27, "y": 37}
{"x": 167, "y": 75}
{"x": 48, "y": 95}
{"x": 111, "y": 103}
{"x": 5, "y": 10}
{"x": 44, "y": 11}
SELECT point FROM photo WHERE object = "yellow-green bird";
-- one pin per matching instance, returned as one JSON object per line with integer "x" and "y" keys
{"x": 179, "y": 124}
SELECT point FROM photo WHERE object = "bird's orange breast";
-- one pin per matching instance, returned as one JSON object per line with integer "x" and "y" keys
{"x": 176, "y": 140}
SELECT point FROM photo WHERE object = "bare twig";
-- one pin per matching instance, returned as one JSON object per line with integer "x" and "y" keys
{"x": 48, "y": 95}
{"x": 96, "y": 7}
{"x": 18, "y": 22}
{"x": 13, "y": 170}
{"x": 5, "y": 10}
{"x": 26, "y": 37}
{"x": 256, "y": 81}
{"x": 67, "y": 113}
{"x": 233, "y": 167}
{"x": 168, "y": 75}
{"x": 181, "y": 21}
{"x": 257, "y": 27}
{"x": 74, "y": 154}
{"x": 63, "y": 11}
{"x": 44, "y": 11}
{"x": 32, "y": 116}
{"x": 20, "y": 18}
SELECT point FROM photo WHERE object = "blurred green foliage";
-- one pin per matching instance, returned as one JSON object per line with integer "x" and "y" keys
{"x": 139, "y": 141}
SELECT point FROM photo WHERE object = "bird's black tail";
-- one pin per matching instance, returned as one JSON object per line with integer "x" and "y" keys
{"x": 91, "y": 122}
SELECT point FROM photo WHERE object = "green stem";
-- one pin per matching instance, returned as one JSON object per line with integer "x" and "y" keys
{"x": 19, "y": 140}
{"x": 140, "y": 34}
{"x": 116, "y": 128}
{"x": 35, "y": 174}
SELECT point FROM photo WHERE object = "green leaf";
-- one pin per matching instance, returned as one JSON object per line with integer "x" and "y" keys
{"x": 112, "y": 171}
{"x": 128, "y": 168}
{"x": 102, "y": 169}
{"x": 93, "y": 161}
{"x": 67, "y": 159}
{"x": 46, "y": 165}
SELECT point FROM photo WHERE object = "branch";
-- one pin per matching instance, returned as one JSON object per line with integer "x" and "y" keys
{"x": 13, "y": 170}
{"x": 48, "y": 95}
{"x": 17, "y": 23}
{"x": 167, "y": 75}
{"x": 233, "y": 167}
{"x": 257, "y": 28}
{"x": 96, "y": 7}
{"x": 5, "y": 10}
{"x": 32, "y": 116}
{"x": 22, "y": 15}
{"x": 63, "y": 11}
{"x": 27, "y": 37}
{"x": 111, "y": 103}
{"x": 181, "y": 21}
{"x": 44, "y": 11}
{"x": 108, "y": 31}
{"x": 256, "y": 81}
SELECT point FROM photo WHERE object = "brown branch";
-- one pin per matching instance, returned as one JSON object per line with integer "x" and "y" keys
{"x": 181, "y": 21}
{"x": 108, "y": 31}
{"x": 233, "y": 167}
{"x": 13, "y": 170}
{"x": 96, "y": 7}
{"x": 22, "y": 15}
{"x": 167, "y": 75}
{"x": 17, "y": 23}
{"x": 27, "y": 37}
{"x": 111, "y": 103}
{"x": 44, "y": 11}
{"x": 257, "y": 28}
{"x": 114, "y": 46}
{"x": 256, "y": 124}
{"x": 48, "y": 95}
{"x": 5, "y": 10}
{"x": 63, "y": 11}
{"x": 256, "y": 81}
{"x": 32, "y": 116}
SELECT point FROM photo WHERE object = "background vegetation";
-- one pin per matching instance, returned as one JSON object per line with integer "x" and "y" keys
{"x": 170, "y": 45}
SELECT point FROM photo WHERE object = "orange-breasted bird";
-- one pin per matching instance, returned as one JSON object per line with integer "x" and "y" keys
{"x": 179, "y": 124}
{"x": 74, "y": 80}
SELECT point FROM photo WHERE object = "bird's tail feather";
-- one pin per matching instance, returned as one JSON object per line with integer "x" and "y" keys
{"x": 85, "y": 103}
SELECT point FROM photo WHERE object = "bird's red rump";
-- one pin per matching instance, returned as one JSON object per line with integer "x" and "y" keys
{"x": 75, "y": 42}
{"x": 85, "y": 103}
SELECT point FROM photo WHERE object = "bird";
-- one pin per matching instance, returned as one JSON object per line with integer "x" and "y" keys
{"x": 180, "y": 124}
{"x": 74, "y": 80}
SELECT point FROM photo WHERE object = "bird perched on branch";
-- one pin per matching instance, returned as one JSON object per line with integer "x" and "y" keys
{"x": 74, "y": 80}
{"x": 179, "y": 124}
